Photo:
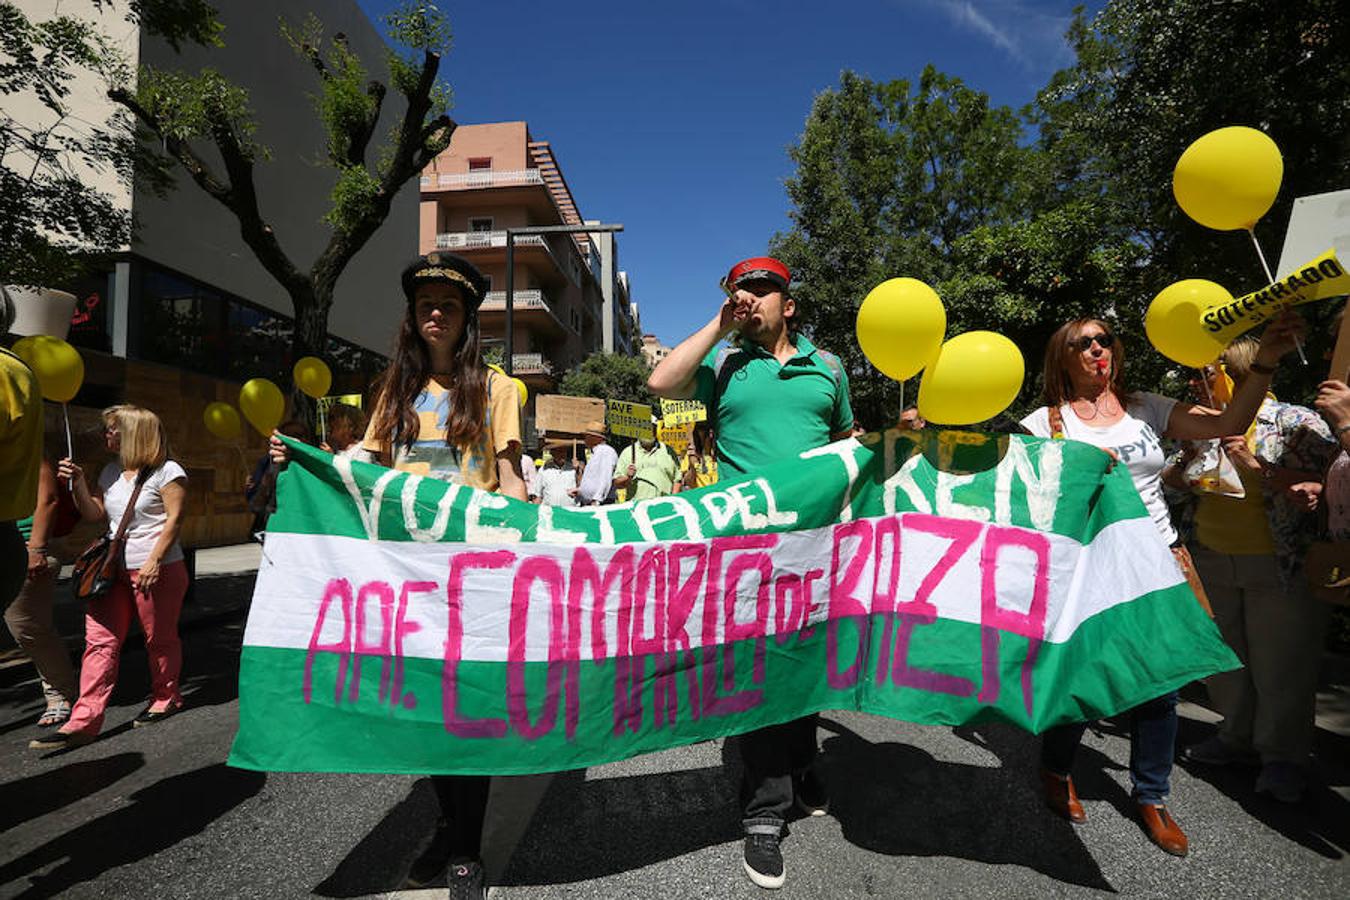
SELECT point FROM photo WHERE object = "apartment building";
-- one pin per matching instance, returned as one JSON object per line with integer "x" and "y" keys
{"x": 185, "y": 314}
{"x": 569, "y": 296}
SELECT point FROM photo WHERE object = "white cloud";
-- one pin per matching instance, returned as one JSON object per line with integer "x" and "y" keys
{"x": 1029, "y": 33}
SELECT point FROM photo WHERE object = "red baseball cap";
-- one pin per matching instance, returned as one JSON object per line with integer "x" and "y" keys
{"x": 759, "y": 267}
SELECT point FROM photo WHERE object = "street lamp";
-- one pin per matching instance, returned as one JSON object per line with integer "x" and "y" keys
{"x": 511, "y": 271}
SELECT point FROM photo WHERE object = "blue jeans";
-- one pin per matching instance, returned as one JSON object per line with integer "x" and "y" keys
{"x": 1153, "y": 739}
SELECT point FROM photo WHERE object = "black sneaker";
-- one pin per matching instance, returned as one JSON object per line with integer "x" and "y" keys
{"x": 429, "y": 868}
{"x": 466, "y": 881}
{"x": 809, "y": 791}
{"x": 764, "y": 860}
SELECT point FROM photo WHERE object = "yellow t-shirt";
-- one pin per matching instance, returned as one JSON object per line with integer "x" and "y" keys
{"x": 20, "y": 438}
{"x": 431, "y": 456}
{"x": 1237, "y": 527}
{"x": 705, "y": 473}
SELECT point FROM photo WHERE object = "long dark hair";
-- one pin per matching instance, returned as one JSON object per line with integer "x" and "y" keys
{"x": 400, "y": 384}
{"x": 1058, "y": 388}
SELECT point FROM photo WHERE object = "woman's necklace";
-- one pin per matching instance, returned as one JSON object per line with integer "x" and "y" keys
{"x": 1105, "y": 405}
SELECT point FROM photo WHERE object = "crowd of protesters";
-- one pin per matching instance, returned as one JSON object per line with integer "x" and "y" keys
{"x": 1240, "y": 534}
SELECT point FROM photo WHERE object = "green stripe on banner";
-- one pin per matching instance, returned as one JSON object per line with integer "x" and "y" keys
{"x": 395, "y": 718}
{"x": 1061, "y": 487}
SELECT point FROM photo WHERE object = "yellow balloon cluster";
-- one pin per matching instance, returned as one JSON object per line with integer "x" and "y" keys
{"x": 1173, "y": 323}
{"x": 312, "y": 376}
{"x": 1228, "y": 179}
{"x": 221, "y": 420}
{"x": 968, "y": 379}
{"x": 58, "y": 366}
{"x": 262, "y": 404}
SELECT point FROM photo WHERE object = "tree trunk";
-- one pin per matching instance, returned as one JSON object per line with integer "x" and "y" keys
{"x": 309, "y": 338}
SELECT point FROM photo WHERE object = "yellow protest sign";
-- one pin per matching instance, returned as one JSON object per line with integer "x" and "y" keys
{"x": 1316, "y": 280}
{"x": 629, "y": 419}
{"x": 676, "y": 437}
{"x": 682, "y": 412}
{"x": 349, "y": 399}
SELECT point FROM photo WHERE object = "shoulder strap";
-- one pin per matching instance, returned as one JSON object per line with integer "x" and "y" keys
{"x": 720, "y": 363}
{"x": 141, "y": 478}
{"x": 1056, "y": 422}
{"x": 832, "y": 363}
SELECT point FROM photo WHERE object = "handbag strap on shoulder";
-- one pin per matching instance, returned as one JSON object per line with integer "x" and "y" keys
{"x": 141, "y": 478}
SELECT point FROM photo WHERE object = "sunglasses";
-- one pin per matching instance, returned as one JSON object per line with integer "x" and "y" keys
{"x": 1084, "y": 342}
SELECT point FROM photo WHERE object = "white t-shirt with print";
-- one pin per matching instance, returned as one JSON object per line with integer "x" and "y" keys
{"x": 147, "y": 522}
{"x": 1136, "y": 442}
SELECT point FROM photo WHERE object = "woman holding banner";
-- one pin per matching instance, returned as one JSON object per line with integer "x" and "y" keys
{"x": 440, "y": 412}
{"x": 1086, "y": 399}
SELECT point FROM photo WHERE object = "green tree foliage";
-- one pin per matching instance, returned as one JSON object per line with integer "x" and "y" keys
{"x": 610, "y": 376}
{"x": 51, "y": 216}
{"x": 183, "y": 110}
{"x": 1024, "y": 219}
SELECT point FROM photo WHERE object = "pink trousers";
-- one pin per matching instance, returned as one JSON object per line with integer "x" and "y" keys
{"x": 106, "y": 622}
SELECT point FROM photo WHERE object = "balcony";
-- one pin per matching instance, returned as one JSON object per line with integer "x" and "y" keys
{"x": 530, "y": 364}
{"x": 493, "y": 244}
{"x": 531, "y": 309}
{"x": 482, "y": 178}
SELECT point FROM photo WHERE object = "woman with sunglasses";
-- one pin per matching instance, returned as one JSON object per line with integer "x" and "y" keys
{"x": 1086, "y": 400}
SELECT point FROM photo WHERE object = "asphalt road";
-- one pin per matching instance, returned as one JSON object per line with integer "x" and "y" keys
{"x": 917, "y": 811}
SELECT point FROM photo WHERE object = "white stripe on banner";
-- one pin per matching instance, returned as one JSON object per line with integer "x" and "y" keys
{"x": 321, "y": 591}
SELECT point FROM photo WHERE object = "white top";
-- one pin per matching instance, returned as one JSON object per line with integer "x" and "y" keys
{"x": 555, "y": 482}
{"x": 147, "y": 522}
{"x": 530, "y": 473}
{"x": 1135, "y": 441}
{"x": 597, "y": 480}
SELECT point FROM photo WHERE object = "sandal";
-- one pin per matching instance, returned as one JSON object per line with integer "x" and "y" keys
{"x": 55, "y": 714}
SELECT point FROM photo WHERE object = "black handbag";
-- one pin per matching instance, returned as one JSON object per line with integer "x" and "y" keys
{"x": 100, "y": 565}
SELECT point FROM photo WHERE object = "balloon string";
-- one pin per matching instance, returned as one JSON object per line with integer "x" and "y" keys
{"x": 1270, "y": 279}
{"x": 70, "y": 447}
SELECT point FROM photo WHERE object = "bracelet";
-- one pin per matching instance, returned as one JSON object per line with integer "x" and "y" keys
{"x": 1260, "y": 369}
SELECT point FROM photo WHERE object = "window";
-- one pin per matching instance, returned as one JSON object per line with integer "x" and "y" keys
{"x": 480, "y": 163}
{"x": 480, "y": 223}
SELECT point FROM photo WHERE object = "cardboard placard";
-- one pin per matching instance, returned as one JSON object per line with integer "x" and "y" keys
{"x": 569, "y": 415}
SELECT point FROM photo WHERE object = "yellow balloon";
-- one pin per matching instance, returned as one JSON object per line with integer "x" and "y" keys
{"x": 523, "y": 390}
{"x": 58, "y": 366}
{"x": 975, "y": 377}
{"x": 221, "y": 420}
{"x": 262, "y": 404}
{"x": 1173, "y": 323}
{"x": 1228, "y": 179}
{"x": 313, "y": 376}
{"x": 900, "y": 326}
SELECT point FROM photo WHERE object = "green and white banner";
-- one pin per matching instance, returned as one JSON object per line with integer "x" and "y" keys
{"x": 400, "y": 624}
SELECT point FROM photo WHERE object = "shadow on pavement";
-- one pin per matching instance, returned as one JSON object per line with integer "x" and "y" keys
{"x": 37, "y": 795}
{"x": 157, "y": 817}
{"x": 380, "y": 861}
{"x": 1320, "y": 822}
{"x": 614, "y": 825}
{"x": 897, "y": 799}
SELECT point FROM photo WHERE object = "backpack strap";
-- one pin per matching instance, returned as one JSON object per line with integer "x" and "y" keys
{"x": 833, "y": 364}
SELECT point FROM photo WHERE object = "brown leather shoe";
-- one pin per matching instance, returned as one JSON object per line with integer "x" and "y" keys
{"x": 1162, "y": 829}
{"x": 1061, "y": 797}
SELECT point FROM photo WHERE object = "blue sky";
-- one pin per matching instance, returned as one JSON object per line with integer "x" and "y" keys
{"x": 675, "y": 118}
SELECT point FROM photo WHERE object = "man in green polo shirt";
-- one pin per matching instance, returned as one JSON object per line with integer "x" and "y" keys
{"x": 772, "y": 397}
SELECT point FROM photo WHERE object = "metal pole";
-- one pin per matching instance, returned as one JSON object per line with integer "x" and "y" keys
{"x": 508, "y": 358}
